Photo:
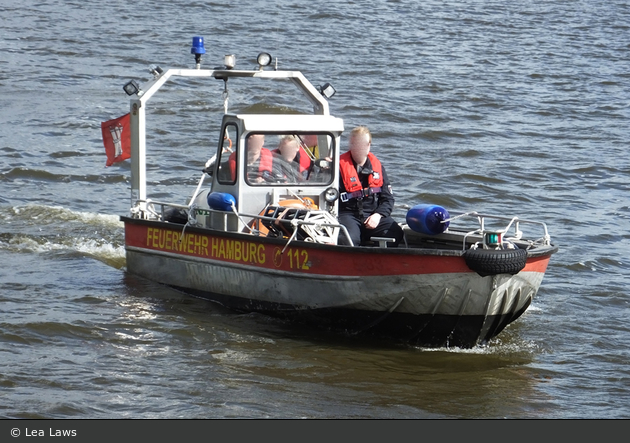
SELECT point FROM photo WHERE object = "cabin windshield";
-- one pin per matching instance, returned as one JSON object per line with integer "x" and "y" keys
{"x": 289, "y": 158}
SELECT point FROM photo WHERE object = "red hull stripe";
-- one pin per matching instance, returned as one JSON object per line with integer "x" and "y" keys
{"x": 297, "y": 257}
{"x": 537, "y": 264}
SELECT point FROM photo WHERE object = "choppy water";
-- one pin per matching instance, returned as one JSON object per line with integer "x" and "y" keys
{"x": 520, "y": 107}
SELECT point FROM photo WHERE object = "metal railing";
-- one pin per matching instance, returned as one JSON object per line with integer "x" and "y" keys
{"x": 513, "y": 222}
{"x": 149, "y": 206}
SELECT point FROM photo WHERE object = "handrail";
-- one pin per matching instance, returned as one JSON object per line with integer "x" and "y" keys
{"x": 546, "y": 239}
{"x": 292, "y": 222}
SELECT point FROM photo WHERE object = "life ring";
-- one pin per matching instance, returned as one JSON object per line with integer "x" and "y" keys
{"x": 495, "y": 261}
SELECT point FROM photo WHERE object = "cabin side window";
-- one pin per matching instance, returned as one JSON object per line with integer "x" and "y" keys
{"x": 226, "y": 173}
{"x": 289, "y": 158}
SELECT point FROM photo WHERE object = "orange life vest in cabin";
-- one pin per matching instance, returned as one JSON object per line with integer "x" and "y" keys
{"x": 265, "y": 163}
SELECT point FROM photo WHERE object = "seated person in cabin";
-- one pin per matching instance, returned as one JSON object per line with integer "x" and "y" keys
{"x": 259, "y": 160}
{"x": 291, "y": 160}
{"x": 309, "y": 141}
{"x": 366, "y": 199}
{"x": 320, "y": 171}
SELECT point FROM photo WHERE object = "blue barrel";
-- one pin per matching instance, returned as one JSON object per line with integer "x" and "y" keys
{"x": 221, "y": 201}
{"x": 427, "y": 219}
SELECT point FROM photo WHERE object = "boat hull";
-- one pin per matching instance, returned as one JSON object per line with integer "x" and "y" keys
{"x": 427, "y": 297}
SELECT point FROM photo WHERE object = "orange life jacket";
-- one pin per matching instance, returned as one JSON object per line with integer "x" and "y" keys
{"x": 266, "y": 162}
{"x": 351, "y": 181}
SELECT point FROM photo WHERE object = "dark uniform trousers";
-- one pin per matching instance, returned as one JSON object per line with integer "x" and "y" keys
{"x": 360, "y": 234}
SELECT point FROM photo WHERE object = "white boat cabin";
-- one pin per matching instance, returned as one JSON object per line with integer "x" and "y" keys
{"x": 271, "y": 160}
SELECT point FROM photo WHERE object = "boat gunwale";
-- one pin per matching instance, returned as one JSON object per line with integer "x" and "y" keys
{"x": 539, "y": 251}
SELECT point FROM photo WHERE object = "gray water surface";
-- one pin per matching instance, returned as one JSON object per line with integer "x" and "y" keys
{"x": 517, "y": 108}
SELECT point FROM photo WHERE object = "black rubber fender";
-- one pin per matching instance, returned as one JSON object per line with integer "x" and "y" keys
{"x": 495, "y": 261}
{"x": 176, "y": 215}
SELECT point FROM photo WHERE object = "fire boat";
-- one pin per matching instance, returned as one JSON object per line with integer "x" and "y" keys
{"x": 272, "y": 246}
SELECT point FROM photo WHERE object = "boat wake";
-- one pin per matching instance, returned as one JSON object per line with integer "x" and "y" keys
{"x": 500, "y": 347}
{"x": 41, "y": 230}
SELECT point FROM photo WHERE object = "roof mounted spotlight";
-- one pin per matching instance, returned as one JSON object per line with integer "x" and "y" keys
{"x": 263, "y": 59}
{"x": 155, "y": 70}
{"x": 131, "y": 87}
{"x": 327, "y": 90}
{"x": 197, "y": 49}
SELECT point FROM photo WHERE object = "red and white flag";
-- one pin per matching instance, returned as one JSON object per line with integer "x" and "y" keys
{"x": 116, "y": 139}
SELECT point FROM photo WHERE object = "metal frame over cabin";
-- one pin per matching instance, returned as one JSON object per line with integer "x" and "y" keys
{"x": 248, "y": 199}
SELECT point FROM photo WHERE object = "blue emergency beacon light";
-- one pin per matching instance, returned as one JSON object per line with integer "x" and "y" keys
{"x": 197, "y": 49}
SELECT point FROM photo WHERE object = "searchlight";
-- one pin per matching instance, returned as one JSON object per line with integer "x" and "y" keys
{"x": 327, "y": 90}
{"x": 156, "y": 70}
{"x": 131, "y": 87}
{"x": 263, "y": 59}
